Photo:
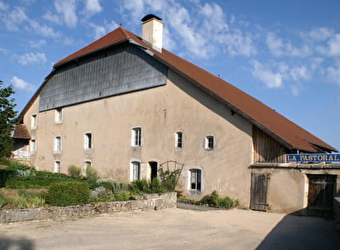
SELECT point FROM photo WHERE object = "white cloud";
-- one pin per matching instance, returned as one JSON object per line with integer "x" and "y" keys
{"x": 68, "y": 9}
{"x": 274, "y": 44}
{"x": 92, "y": 7}
{"x": 14, "y": 18}
{"x": 334, "y": 72}
{"x": 278, "y": 47}
{"x": 28, "y": 1}
{"x": 37, "y": 43}
{"x": 3, "y": 6}
{"x": 330, "y": 47}
{"x": 296, "y": 89}
{"x": 201, "y": 32}
{"x": 320, "y": 34}
{"x": 136, "y": 8}
{"x": 43, "y": 29}
{"x": 334, "y": 45}
{"x": 239, "y": 44}
{"x": 21, "y": 84}
{"x": 213, "y": 17}
{"x": 316, "y": 63}
{"x": 3, "y": 51}
{"x": 99, "y": 30}
{"x": 270, "y": 78}
{"x": 300, "y": 73}
{"x": 52, "y": 18}
{"x": 31, "y": 58}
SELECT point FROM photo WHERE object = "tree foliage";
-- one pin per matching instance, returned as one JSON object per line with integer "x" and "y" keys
{"x": 7, "y": 119}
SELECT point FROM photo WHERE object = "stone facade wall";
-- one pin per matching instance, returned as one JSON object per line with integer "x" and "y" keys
{"x": 145, "y": 202}
{"x": 337, "y": 212}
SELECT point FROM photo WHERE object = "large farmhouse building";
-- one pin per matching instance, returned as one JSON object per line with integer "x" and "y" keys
{"x": 128, "y": 107}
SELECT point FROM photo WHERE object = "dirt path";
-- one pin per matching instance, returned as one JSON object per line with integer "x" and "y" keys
{"x": 171, "y": 229}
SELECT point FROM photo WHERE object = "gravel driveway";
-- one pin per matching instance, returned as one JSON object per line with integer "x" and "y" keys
{"x": 174, "y": 229}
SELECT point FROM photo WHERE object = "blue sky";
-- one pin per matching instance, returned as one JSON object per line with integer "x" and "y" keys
{"x": 284, "y": 53}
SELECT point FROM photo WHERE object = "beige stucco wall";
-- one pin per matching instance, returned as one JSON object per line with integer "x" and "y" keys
{"x": 161, "y": 112}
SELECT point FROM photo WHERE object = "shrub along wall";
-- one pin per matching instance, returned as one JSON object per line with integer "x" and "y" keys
{"x": 144, "y": 202}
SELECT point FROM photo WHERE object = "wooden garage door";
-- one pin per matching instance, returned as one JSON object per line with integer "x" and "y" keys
{"x": 321, "y": 193}
{"x": 259, "y": 189}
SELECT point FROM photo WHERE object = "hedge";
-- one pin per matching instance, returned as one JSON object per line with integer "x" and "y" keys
{"x": 68, "y": 193}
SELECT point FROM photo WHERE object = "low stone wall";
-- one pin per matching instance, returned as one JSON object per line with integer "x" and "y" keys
{"x": 145, "y": 202}
{"x": 337, "y": 212}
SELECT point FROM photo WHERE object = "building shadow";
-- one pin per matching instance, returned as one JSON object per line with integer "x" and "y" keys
{"x": 19, "y": 243}
{"x": 302, "y": 232}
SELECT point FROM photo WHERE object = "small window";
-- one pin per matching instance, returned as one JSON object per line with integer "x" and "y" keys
{"x": 33, "y": 146}
{"x": 135, "y": 171}
{"x": 57, "y": 167}
{"x": 136, "y": 137}
{"x": 58, "y": 118}
{"x": 195, "y": 179}
{"x": 34, "y": 122}
{"x": 88, "y": 141}
{"x": 86, "y": 165}
{"x": 179, "y": 139}
{"x": 57, "y": 144}
{"x": 209, "y": 143}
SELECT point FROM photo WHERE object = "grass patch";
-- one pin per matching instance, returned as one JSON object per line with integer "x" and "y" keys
{"x": 21, "y": 199}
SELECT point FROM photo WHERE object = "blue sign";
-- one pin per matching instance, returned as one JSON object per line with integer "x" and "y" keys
{"x": 312, "y": 157}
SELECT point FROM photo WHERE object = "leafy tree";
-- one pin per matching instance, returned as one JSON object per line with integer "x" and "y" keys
{"x": 7, "y": 119}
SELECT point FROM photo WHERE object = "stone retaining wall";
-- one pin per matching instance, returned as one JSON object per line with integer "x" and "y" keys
{"x": 145, "y": 202}
{"x": 337, "y": 212}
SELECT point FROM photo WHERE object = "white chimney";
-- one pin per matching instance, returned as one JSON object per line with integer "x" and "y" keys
{"x": 152, "y": 32}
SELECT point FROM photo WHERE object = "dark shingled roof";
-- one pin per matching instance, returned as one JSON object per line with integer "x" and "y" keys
{"x": 21, "y": 132}
{"x": 283, "y": 130}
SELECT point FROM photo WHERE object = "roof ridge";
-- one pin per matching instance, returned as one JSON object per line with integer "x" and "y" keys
{"x": 126, "y": 33}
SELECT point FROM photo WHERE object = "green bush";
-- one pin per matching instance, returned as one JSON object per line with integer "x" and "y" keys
{"x": 91, "y": 174}
{"x": 139, "y": 186}
{"x": 74, "y": 171}
{"x": 227, "y": 202}
{"x": 3, "y": 200}
{"x": 6, "y": 174}
{"x": 143, "y": 186}
{"x": 122, "y": 196}
{"x": 68, "y": 193}
{"x": 15, "y": 165}
{"x": 22, "y": 183}
{"x": 13, "y": 169}
{"x": 119, "y": 186}
{"x": 156, "y": 186}
{"x": 169, "y": 179}
{"x": 36, "y": 179}
{"x": 4, "y": 161}
{"x": 215, "y": 200}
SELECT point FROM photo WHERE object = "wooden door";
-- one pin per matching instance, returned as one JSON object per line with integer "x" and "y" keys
{"x": 259, "y": 189}
{"x": 321, "y": 193}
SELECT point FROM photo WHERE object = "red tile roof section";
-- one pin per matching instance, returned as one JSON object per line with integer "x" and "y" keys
{"x": 21, "y": 132}
{"x": 116, "y": 36}
{"x": 285, "y": 131}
